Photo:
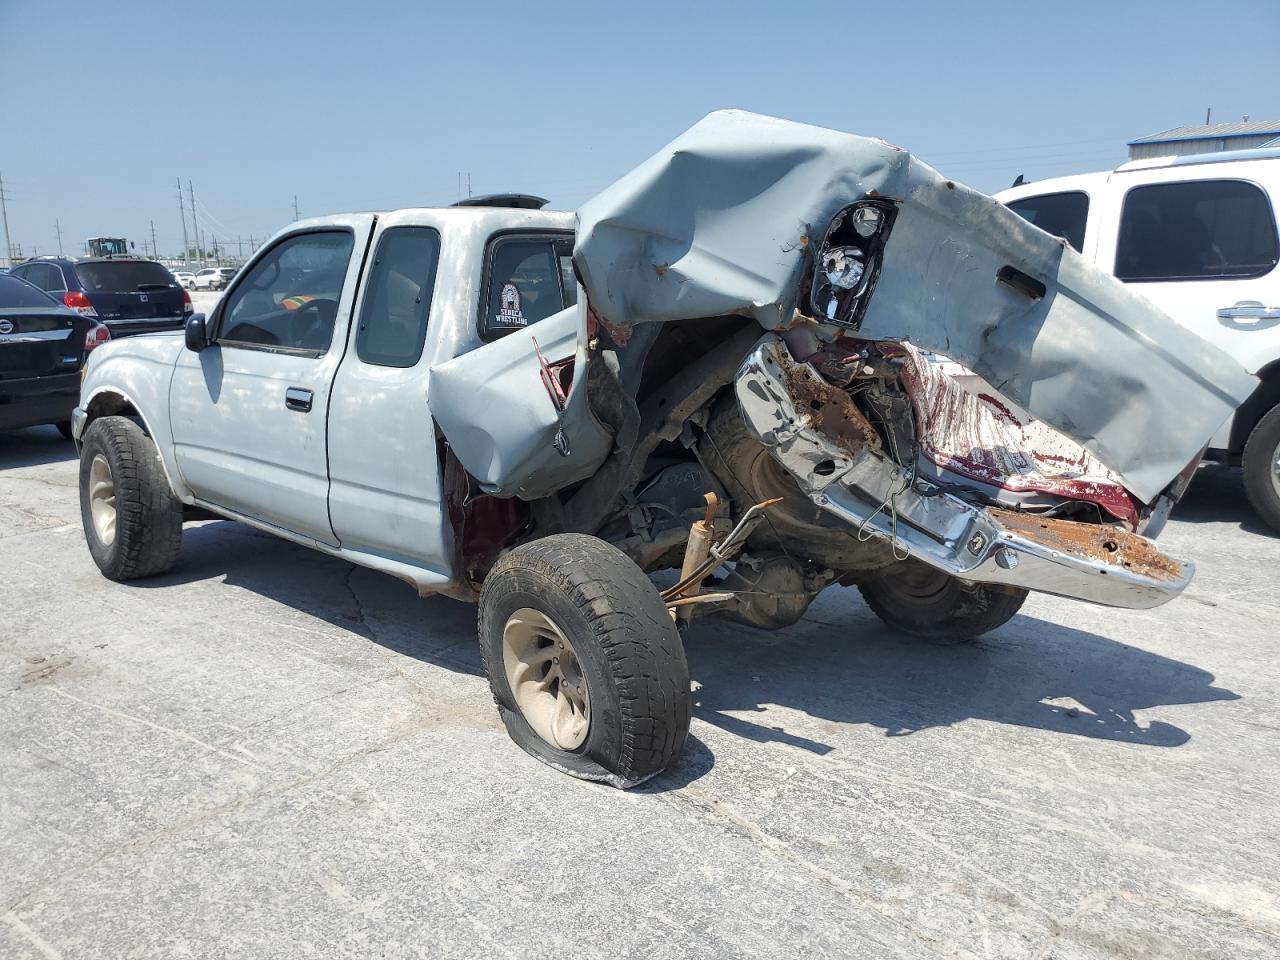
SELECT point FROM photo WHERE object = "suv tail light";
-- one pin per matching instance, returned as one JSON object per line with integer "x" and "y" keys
{"x": 96, "y": 336}
{"x": 78, "y": 302}
{"x": 186, "y": 302}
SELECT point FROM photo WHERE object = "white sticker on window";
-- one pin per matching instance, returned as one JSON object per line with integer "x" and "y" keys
{"x": 509, "y": 314}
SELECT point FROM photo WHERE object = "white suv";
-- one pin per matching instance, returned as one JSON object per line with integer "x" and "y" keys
{"x": 1196, "y": 235}
{"x": 210, "y": 278}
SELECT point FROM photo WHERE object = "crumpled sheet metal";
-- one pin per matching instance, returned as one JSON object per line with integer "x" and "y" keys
{"x": 1092, "y": 358}
{"x": 720, "y": 220}
{"x": 717, "y": 222}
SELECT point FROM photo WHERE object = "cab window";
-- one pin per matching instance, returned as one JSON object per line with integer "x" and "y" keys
{"x": 527, "y": 279}
{"x": 1061, "y": 214}
{"x": 397, "y": 299}
{"x": 289, "y": 299}
{"x": 1196, "y": 230}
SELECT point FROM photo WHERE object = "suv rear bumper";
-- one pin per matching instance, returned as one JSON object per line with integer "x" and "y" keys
{"x": 133, "y": 327}
{"x": 37, "y": 400}
{"x": 1101, "y": 564}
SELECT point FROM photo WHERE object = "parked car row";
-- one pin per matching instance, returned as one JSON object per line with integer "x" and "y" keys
{"x": 43, "y": 345}
{"x": 55, "y": 310}
{"x": 210, "y": 278}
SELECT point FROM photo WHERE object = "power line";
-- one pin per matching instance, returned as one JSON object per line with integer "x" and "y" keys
{"x": 195, "y": 224}
{"x": 186, "y": 246}
{"x": 4, "y": 210}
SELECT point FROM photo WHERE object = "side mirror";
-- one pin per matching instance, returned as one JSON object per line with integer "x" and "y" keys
{"x": 197, "y": 335}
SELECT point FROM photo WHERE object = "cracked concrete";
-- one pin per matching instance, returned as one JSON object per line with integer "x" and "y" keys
{"x": 271, "y": 753}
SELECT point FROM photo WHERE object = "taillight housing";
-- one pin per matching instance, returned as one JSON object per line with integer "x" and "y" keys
{"x": 80, "y": 303}
{"x": 848, "y": 262}
{"x": 186, "y": 302}
{"x": 96, "y": 336}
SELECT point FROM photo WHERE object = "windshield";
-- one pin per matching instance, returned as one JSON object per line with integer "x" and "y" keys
{"x": 123, "y": 275}
{"x": 16, "y": 293}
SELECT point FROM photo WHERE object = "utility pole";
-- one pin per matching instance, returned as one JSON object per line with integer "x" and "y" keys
{"x": 4, "y": 211}
{"x": 295, "y": 208}
{"x": 58, "y": 228}
{"x": 239, "y": 248}
{"x": 468, "y": 184}
{"x": 186, "y": 246}
{"x": 1208, "y": 112}
{"x": 191, "y": 192}
{"x": 154, "y": 250}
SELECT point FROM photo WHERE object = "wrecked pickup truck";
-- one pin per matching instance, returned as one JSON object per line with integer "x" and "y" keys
{"x": 726, "y": 364}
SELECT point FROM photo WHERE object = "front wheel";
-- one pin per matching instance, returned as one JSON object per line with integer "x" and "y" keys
{"x": 132, "y": 521}
{"x": 1261, "y": 463}
{"x": 917, "y": 599}
{"x": 584, "y": 661}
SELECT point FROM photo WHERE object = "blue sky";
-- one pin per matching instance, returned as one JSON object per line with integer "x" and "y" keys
{"x": 370, "y": 105}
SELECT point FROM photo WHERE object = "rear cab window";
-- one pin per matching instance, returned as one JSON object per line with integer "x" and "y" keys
{"x": 1196, "y": 230}
{"x": 1061, "y": 214}
{"x": 397, "y": 299}
{"x": 527, "y": 278}
{"x": 123, "y": 275}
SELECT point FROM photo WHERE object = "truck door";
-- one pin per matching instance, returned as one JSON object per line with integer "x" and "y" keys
{"x": 249, "y": 411}
{"x": 386, "y": 489}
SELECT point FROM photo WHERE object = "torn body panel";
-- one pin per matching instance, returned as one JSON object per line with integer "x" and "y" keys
{"x": 981, "y": 439}
{"x": 723, "y": 220}
{"x": 516, "y": 413}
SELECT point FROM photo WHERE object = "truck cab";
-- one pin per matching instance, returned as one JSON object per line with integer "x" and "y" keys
{"x": 324, "y": 344}
{"x": 1195, "y": 235}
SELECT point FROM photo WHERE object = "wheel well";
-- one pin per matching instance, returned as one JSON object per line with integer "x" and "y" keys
{"x": 1263, "y": 398}
{"x": 107, "y": 404}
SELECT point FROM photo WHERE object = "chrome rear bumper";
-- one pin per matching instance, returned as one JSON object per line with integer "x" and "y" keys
{"x": 980, "y": 544}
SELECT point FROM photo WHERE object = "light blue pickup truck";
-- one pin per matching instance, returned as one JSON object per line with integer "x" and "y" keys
{"x": 726, "y": 364}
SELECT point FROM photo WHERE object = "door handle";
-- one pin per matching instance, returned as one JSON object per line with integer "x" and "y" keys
{"x": 1249, "y": 310}
{"x": 296, "y": 398}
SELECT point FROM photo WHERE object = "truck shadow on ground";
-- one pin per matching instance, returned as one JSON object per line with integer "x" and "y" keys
{"x": 1216, "y": 495}
{"x": 34, "y": 447}
{"x": 839, "y": 665}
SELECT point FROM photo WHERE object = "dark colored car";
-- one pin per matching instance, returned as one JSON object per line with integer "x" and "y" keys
{"x": 129, "y": 294}
{"x": 42, "y": 348}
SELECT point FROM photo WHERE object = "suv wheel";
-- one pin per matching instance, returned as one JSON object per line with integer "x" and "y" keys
{"x": 1262, "y": 468}
{"x": 584, "y": 660}
{"x": 132, "y": 521}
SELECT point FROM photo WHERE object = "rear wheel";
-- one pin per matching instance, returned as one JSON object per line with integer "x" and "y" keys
{"x": 1262, "y": 468}
{"x": 584, "y": 660}
{"x": 917, "y": 599}
{"x": 132, "y": 521}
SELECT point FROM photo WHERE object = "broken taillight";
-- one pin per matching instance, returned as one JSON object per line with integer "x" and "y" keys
{"x": 95, "y": 337}
{"x": 79, "y": 302}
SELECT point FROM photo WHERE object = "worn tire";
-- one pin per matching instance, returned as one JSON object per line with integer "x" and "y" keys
{"x": 627, "y": 646}
{"x": 148, "y": 522}
{"x": 914, "y": 598}
{"x": 1260, "y": 460}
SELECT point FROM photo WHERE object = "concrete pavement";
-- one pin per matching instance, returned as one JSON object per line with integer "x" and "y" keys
{"x": 270, "y": 753}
